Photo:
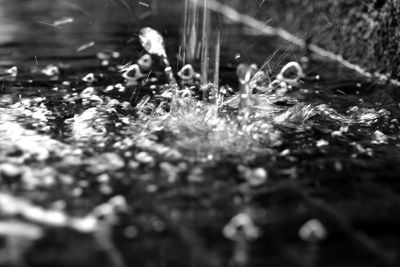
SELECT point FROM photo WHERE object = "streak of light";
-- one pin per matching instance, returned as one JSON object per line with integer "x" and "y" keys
{"x": 148, "y": 76}
{"x": 144, "y": 4}
{"x": 48, "y": 24}
{"x": 63, "y": 21}
{"x": 145, "y": 15}
{"x": 58, "y": 23}
{"x": 85, "y": 46}
{"x": 216, "y": 66}
{"x": 76, "y": 7}
{"x": 126, "y": 4}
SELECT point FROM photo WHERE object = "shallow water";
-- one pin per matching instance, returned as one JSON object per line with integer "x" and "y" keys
{"x": 327, "y": 151}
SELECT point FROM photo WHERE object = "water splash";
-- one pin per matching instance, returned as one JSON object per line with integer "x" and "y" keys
{"x": 153, "y": 42}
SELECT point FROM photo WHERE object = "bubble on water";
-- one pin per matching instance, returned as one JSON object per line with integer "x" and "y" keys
{"x": 132, "y": 73}
{"x": 313, "y": 231}
{"x": 145, "y": 62}
{"x": 13, "y": 71}
{"x": 187, "y": 73}
{"x": 87, "y": 92}
{"x": 291, "y": 73}
{"x": 89, "y": 78}
{"x": 51, "y": 70}
{"x": 240, "y": 227}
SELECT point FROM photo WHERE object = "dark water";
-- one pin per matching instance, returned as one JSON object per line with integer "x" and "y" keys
{"x": 183, "y": 183}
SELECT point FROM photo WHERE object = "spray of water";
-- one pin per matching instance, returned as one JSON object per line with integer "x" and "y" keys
{"x": 198, "y": 123}
{"x": 153, "y": 42}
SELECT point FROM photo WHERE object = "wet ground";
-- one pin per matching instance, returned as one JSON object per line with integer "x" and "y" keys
{"x": 89, "y": 178}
